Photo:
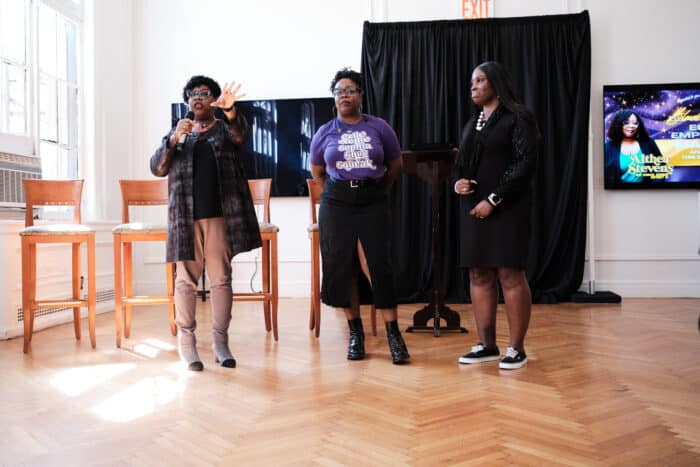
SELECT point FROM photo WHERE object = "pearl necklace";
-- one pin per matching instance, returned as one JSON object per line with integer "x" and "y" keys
{"x": 481, "y": 121}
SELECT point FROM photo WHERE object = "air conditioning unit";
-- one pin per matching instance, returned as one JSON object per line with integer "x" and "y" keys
{"x": 13, "y": 169}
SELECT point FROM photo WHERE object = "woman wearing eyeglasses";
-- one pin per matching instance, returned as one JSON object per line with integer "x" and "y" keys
{"x": 631, "y": 155}
{"x": 357, "y": 157}
{"x": 211, "y": 217}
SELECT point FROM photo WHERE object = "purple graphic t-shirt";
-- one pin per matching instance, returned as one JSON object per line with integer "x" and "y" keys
{"x": 355, "y": 152}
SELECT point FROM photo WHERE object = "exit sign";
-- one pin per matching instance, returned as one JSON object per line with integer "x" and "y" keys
{"x": 475, "y": 9}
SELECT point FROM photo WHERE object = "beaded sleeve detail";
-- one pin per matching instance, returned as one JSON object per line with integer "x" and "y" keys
{"x": 517, "y": 176}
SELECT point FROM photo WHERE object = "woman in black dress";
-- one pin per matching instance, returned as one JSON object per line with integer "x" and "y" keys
{"x": 493, "y": 170}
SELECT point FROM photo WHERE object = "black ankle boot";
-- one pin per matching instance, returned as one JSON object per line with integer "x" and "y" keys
{"x": 399, "y": 353}
{"x": 356, "y": 347}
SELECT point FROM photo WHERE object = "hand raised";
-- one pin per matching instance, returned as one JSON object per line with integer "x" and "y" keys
{"x": 229, "y": 95}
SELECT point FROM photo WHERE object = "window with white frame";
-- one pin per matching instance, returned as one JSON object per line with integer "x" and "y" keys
{"x": 14, "y": 67}
{"x": 58, "y": 93}
{"x": 39, "y": 86}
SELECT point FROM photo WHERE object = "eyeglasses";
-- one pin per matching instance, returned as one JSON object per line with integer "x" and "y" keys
{"x": 629, "y": 122}
{"x": 195, "y": 94}
{"x": 349, "y": 91}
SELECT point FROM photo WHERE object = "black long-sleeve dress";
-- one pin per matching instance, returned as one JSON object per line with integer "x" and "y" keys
{"x": 501, "y": 158}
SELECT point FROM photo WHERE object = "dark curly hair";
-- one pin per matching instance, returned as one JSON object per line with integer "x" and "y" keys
{"x": 199, "y": 80}
{"x": 615, "y": 128}
{"x": 347, "y": 73}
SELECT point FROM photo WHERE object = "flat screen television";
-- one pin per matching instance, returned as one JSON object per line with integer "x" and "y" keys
{"x": 652, "y": 136}
{"x": 280, "y": 139}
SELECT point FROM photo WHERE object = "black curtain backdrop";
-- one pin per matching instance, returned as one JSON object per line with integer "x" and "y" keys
{"x": 418, "y": 79}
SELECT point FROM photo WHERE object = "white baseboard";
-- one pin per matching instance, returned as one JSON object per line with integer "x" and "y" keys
{"x": 651, "y": 289}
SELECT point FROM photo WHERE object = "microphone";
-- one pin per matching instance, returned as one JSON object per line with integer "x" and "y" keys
{"x": 181, "y": 141}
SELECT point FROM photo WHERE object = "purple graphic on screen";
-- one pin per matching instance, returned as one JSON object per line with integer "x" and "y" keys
{"x": 655, "y": 108}
{"x": 671, "y": 115}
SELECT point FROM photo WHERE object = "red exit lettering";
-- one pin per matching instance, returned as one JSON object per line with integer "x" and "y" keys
{"x": 475, "y": 9}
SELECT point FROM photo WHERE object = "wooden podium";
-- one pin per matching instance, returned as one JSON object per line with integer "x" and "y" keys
{"x": 433, "y": 165}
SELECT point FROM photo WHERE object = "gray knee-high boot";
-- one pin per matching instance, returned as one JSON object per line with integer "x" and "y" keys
{"x": 185, "y": 305}
{"x": 187, "y": 348}
{"x": 220, "y": 320}
{"x": 221, "y": 351}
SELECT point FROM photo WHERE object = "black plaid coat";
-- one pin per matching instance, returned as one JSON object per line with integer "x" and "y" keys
{"x": 242, "y": 230}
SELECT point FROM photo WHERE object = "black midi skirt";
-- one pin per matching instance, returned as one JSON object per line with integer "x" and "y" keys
{"x": 351, "y": 211}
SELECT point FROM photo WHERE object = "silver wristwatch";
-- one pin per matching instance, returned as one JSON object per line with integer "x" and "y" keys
{"x": 494, "y": 199}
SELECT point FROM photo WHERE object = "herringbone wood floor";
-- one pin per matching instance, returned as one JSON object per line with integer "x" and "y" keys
{"x": 605, "y": 385}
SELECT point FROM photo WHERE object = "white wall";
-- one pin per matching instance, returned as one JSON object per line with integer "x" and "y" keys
{"x": 647, "y": 242}
{"x": 108, "y": 98}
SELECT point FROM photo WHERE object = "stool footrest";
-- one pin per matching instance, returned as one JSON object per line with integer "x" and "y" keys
{"x": 60, "y": 303}
{"x": 147, "y": 300}
{"x": 251, "y": 296}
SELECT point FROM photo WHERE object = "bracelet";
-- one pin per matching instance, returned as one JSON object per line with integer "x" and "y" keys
{"x": 229, "y": 109}
{"x": 494, "y": 200}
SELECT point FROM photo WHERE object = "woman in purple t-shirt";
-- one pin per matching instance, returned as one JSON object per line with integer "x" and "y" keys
{"x": 357, "y": 158}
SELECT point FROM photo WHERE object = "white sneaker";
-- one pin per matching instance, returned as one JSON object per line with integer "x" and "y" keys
{"x": 479, "y": 354}
{"x": 513, "y": 360}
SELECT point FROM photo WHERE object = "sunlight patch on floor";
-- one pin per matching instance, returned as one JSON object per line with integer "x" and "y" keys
{"x": 75, "y": 381}
{"x": 159, "y": 344}
{"x": 140, "y": 399}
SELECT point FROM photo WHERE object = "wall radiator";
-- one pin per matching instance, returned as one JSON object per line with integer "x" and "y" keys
{"x": 13, "y": 169}
{"x": 102, "y": 296}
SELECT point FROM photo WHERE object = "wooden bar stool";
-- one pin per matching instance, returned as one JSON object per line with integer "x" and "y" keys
{"x": 139, "y": 193}
{"x": 56, "y": 193}
{"x": 260, "y": 192}
{"x": 315, "y": 190}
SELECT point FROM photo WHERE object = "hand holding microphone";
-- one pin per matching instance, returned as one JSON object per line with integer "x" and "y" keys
{"x": 184, "y": 127}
